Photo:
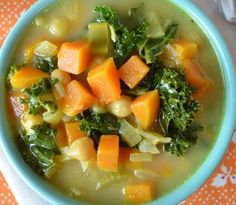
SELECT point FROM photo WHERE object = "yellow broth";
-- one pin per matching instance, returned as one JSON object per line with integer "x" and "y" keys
{"x": 170, "y": 171}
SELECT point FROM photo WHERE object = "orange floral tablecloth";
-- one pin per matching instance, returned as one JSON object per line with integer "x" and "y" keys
{"x": 220, "y": 189}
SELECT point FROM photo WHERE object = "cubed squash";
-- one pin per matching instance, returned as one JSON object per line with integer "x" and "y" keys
{"x": 73, "y": 132}
{"x": 138, "y": 193}
{"x": 78, "y": 99}
{"x": 179, "y": 50}
{"x": 185, "y": 48}
{"x": 146, "y": 108}
{"x": 26, "y": 77}
{"x": 104, "y": 82}
{"x": 133, "y": 71}
{"x": 108, "y": 153}
{"x": 196, "y": 78}
{"x": 73, "y": 57}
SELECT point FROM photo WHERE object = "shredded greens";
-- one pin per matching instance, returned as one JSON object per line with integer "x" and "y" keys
{"x": 96, "y": 124}
{"x": 38, "y": 148}
{"x": 126, "y": 39}
{"x": 46, "y": 64}
{"x": 34, "y": 94}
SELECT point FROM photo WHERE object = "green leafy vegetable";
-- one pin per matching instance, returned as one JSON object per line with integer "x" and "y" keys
{"x": 38, "y": 148}
{"x": 46, "y": 64}
{"x": 124, "y": 38}
{"x": 149, "y": 49}
{"x": 34, "y": 94}
{"x": 182, "y": 141}
{"x": 12, "y": 70}
{"x": 96, "y": 124}
{"x": 176, "y": 106}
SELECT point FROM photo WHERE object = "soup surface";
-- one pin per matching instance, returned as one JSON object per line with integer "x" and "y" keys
{"x": 116, "y": 133}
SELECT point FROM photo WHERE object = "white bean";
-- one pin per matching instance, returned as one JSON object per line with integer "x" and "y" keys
{"x": 121, "y": 107}
{"x": 61, "y": 75}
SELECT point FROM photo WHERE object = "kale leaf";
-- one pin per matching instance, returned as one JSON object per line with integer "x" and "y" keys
{"x": 46, "y": 64}
{"x": 182, "y": 141}
{"x": 149, "y": 48}
{"x": 12, "y": 70}
{"x": 124, "y": 38}
{"x": 38, "y": 147}
{"x": 96, "y": 124}
{"x": 176, "y": 106}
{"x": 34, "y": 94}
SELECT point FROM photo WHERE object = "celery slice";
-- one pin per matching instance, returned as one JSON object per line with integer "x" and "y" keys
{"x": 100, "y": 36}
{"x": 129, "y": 134}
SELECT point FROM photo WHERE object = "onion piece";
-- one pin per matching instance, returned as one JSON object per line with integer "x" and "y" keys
{"x": 148, "y": 147}
{"x": 45, "y": 49}
{"x": 154, "y": 137}
{"x": 129, "y": 134}
{"x": 141, "y": 157}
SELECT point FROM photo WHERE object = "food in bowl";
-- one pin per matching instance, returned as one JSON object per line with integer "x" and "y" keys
{"x": 115, "y": 102}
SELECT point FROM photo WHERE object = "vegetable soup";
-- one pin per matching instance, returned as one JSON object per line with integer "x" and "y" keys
{"x": 116, "y": 102}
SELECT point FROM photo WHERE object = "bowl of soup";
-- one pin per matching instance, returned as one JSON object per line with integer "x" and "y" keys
{"x": 108, "y": 102}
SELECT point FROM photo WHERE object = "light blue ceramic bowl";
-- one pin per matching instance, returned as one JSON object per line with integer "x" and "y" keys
{"x": 180, "y": 193}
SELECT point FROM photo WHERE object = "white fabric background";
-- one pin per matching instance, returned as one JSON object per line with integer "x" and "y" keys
{"x": 25, "y": 196}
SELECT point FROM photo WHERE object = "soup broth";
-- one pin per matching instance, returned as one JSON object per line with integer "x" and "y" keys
{"x": 166, "y": 171}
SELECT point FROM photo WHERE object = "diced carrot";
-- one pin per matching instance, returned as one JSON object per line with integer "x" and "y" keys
{"x": 195, "y": 77}
{"x": 104, "y": 82}
{"x": 73, "y": 57}
{"x": 73, "y": 132}
{"x": 108, "y": 153}
{"x": 146, "y": 108}
{"x": 138, "y": 193}
{"x": 26, "y": 76}
{"x": 61, "y": 137}
{"x": 78, "y": 99}
{"x": 185, "y": 48}
{"x": 133, "y": 71}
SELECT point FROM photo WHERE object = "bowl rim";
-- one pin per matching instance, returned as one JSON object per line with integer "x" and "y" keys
{"x": 206, "y": 168}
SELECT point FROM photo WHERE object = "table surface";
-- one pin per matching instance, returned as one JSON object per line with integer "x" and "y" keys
{"x": 220, "y": 188}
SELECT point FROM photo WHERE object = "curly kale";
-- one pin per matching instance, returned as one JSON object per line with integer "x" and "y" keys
{"x": 182, "y": 141}
{"x": 96, "y": 124}
{"x": 125, "y": 39}
{"x": 38, "y": 147}
{"x": 46, "y": 64}
{"x": 176, "y": 106}
{"x": 149, "y": 49}
{"x": 34, "y": 94}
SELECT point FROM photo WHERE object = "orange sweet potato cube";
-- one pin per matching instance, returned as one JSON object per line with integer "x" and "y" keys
{"x": 73, "y": 132}
{"x": 104, "y": 82}
{"x": 108, "y": 153}
{"x": 133, "y": 71}
{"x": 78, "y": 99}
{"x": 73, "y": 57}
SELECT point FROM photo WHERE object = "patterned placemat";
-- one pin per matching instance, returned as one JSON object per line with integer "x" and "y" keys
{"x": 220, "y": 188}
